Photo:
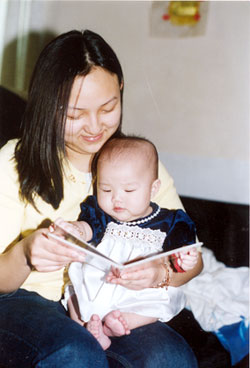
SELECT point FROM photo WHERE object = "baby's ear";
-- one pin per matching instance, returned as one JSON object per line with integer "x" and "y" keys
{"x": 155, "y": 187}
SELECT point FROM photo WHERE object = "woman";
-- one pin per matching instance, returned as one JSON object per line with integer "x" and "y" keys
{"x": 74, "y": 106}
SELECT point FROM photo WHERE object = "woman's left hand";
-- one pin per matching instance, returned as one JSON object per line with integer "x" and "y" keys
{"x": 138, "y": 277}
{"x": 150, "y": 274}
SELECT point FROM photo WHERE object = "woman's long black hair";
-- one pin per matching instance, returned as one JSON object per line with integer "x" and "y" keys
{"x": 40, "y": 150}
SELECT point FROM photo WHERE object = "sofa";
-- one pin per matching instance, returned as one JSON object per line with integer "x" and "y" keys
{"x": 11, "y": 110}
{"x": 222, "y": 227}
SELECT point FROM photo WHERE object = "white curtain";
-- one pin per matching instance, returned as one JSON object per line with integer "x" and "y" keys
{"x": 23, "y": 34}
{"x": 15, "y": 18}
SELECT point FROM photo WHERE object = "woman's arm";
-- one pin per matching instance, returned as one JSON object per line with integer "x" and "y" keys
{"x": 35, "y": 252}
{"x": 151, "y": 274}
{"x": 13, "y": 269}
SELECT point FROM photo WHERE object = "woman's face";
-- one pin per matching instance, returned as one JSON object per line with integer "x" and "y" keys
{"x": 93, "y": 115}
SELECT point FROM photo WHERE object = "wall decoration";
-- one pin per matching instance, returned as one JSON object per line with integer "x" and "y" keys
{"x": 175, "y": 19}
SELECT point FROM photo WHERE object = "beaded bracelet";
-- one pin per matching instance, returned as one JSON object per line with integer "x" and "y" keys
{"x": 174, "y": 264}
{"x": 166, "y": 281}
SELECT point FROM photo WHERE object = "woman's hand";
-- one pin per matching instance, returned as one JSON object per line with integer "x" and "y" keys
{"x": 36, "y": 251}
{"x": 45, "y": 254}
{"x": 138, "y": 277}
{"x": 152, "y": 273}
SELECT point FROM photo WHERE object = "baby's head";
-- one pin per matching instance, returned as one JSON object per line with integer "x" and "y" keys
{"x": 126, "y": 177}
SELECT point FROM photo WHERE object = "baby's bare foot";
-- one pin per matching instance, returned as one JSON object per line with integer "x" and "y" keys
{"x": 94, "y": 326}
{"x": 115, "y": 324}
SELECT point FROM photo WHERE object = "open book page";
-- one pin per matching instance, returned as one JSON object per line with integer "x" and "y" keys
{"x": 102, "y": 262}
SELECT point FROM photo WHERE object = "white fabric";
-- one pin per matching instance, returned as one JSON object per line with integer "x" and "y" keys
{"x": 219, "y": 296}
{"x": 95, "y": 296}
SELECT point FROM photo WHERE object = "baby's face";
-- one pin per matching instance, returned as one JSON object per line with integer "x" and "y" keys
{"x": 124, "y": 188}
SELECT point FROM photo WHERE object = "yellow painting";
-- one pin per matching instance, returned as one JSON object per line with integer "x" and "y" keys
{"x": 177, "y": 19}
{"x": 183, "y": 12}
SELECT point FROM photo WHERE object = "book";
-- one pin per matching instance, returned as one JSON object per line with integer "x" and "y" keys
{"x": 97, "y": 259}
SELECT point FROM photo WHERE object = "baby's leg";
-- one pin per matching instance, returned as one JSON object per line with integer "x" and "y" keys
{"x": 117, "y": 323}
{"x": 94, "y": 326}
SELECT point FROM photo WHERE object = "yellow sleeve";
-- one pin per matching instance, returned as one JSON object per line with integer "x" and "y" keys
{"x": 18, "y": 219}
{"x": 167, "y": 196}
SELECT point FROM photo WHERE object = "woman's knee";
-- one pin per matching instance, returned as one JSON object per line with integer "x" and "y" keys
{"x": 75, "y": 348}
{"x": 170, "y": 348}
{"x": 86, "y": 353}
{"x": 36, "y": 328}
{"x": 153, "y": 346}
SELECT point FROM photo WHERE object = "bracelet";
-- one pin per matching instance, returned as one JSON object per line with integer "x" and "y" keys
{"x": 174, "y": 264}
{"x": 166, "y": 281}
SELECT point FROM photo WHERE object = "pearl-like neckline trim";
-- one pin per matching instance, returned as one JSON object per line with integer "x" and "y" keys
{"x": 138, "y": 222}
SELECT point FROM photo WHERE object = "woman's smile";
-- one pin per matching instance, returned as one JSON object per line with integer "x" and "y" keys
{"x": 93, "y": 138}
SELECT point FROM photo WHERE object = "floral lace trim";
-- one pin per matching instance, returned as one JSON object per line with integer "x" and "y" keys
{"x": 148, "y": 237}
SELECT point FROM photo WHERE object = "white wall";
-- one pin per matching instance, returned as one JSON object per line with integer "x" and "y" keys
{"x": 189, "y": 95}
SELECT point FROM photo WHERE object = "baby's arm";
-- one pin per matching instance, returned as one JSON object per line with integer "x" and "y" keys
{"x": 73, "y": 309}
{"x": 184, "y": 261}
{"x": 78, "y": 228}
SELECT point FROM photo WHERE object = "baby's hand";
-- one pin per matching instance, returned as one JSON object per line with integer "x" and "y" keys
{"x": 70, "y": 226}
{"x": 187, "y": 260}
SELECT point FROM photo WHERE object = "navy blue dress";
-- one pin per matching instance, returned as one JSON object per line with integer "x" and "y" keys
{"x": 176, "y": 224}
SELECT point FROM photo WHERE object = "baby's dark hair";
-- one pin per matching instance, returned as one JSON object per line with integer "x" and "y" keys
{"x": 122, "y": 145}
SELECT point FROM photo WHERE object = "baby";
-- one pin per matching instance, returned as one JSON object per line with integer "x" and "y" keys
{"x": 123, "y": 222}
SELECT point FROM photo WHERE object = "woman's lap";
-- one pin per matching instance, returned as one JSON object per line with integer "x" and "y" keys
{"x": 36, "y": 332}
{"x": 151, "y": 346}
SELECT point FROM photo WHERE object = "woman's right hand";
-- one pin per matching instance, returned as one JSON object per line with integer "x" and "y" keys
{"x": 45, "y": 254}
{"x": 35, "y": 252}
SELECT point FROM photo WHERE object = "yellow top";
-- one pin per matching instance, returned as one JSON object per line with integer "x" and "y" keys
{"x": 17, "y": 220}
